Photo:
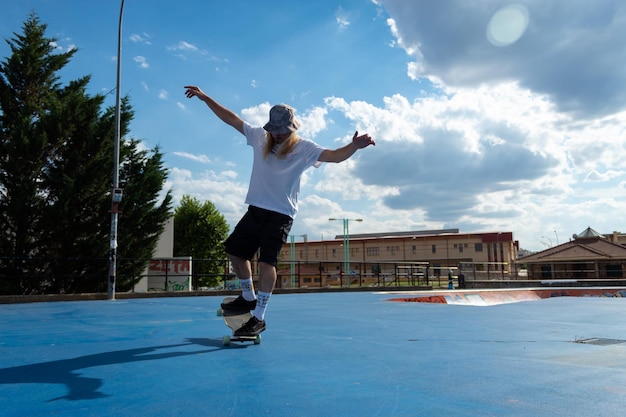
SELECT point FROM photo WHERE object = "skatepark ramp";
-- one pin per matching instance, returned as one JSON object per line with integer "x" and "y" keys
{"x": 505, "y": 296}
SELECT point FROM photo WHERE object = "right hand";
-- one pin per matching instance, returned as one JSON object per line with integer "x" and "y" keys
{"x": 362, "y": 141}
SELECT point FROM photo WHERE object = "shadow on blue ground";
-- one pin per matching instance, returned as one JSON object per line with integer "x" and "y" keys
{"x": 83, "y": 388}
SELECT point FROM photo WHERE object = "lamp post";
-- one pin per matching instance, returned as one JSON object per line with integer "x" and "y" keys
{"x": 346, "y": 246}
{"x": 116, "y": 191}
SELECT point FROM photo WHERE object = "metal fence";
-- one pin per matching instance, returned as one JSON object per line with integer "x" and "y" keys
{"x": 298, "y": 274}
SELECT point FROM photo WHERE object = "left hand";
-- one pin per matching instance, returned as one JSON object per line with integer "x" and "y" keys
{"x": 362, "y": 141}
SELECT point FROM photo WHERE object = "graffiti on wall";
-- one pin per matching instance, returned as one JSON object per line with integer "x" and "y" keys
{"x": 169, "y": 274}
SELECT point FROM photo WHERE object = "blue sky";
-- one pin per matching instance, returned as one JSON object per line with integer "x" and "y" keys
{"x": 488, "y": 115}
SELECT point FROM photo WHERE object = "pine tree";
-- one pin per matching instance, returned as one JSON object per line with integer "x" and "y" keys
{"x": 56, "y": 160}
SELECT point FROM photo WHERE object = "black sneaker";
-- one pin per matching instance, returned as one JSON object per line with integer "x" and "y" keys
{"x": 239, "y": 304}
{"x": 252, "y": 328}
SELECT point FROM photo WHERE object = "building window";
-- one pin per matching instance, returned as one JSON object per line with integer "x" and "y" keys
{"x": 478, "y": 247}
{"x": 460, "y": 248}
{"x": 334, "y": 252}
{"x": 614, "y": 271}
{"x": 414, "y": 250}
{"x": 372, "y": 251}
{"x": 393, "y": 249}
{"x": 434, "y": 249}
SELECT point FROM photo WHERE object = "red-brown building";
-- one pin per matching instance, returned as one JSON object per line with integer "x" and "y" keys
{"x": 589, "y": 256}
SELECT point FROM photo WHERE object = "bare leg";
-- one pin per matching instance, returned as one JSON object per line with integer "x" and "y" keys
{"x": 267, "y": 280}
{"x": 241, "y": 266}
{"x": 242, "y": 269}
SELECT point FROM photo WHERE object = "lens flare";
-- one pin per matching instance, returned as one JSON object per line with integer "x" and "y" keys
{"x": 507, "y": 25}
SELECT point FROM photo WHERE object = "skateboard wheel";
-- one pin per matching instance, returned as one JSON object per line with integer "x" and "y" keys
{"x": 226, "y": 341}
{"x": 220, "y": 312}
{"x": 257, "y": 340}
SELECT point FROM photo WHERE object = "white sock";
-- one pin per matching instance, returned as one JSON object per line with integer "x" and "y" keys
{"x": 261, "y": 305}
{"x": 247, "y": 289}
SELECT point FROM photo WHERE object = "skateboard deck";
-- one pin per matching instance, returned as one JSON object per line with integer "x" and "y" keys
{"x": 234, "y": 320}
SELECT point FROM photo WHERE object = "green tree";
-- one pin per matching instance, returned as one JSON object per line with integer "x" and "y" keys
{"x": 199, "y": 231}
{"x": 56, "y": 160}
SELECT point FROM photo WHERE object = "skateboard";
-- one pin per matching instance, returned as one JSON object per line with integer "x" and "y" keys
{"x": 234, "y": 320}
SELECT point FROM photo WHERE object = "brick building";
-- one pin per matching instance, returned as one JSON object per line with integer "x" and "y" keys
{"x": 589, "y": 256}
{"x": 374, "y": 255}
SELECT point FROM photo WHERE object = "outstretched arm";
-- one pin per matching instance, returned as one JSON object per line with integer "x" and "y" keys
{"x": 226, "y": 115}
{"x": 345, "y": 152}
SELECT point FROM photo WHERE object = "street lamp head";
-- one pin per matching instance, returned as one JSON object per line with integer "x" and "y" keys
{"x": 354, "y": 220}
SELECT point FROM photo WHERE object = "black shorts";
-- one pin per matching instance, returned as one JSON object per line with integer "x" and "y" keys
{"x": 259, "y": 229}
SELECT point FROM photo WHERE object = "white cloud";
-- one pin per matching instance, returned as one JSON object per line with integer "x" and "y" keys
{"x": 63, "y": 48}
{"x": 183, "y": 46}
{"x": 342, "y": 18}
{"x": 210, "y": 186}
{"x": 141, "y": 61}
{"x": 257, "y": 115}
{"x": 595, "y": 176}
{"x": 144, "y": 38}
{"x": 194, "y": 157}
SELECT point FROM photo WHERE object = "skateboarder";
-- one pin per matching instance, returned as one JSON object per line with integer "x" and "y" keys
{"x": 280, "y": 158}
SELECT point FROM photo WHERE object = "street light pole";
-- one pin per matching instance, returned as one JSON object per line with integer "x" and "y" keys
{"x": 116, "y": 191}
{"x": 346, "y": 247}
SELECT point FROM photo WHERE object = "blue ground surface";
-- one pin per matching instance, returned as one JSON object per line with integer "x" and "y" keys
{"x": 337, "y": 354}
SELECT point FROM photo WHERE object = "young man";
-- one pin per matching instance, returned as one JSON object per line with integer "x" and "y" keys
{"x": 280, "y": 158}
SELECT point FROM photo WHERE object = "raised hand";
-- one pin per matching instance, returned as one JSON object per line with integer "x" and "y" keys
{"x": 193, "y": 91}
{"x": 362, "y": 141}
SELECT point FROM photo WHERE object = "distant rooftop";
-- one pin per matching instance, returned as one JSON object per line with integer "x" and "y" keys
{"x": 400, "y": 234}
{"x": 587, "y": 234}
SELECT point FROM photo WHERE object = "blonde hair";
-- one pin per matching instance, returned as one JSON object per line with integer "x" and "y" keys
{"x": 286, "y": 146}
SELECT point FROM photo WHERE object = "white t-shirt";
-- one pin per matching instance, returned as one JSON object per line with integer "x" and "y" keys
{"x": 274, "y": 182}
